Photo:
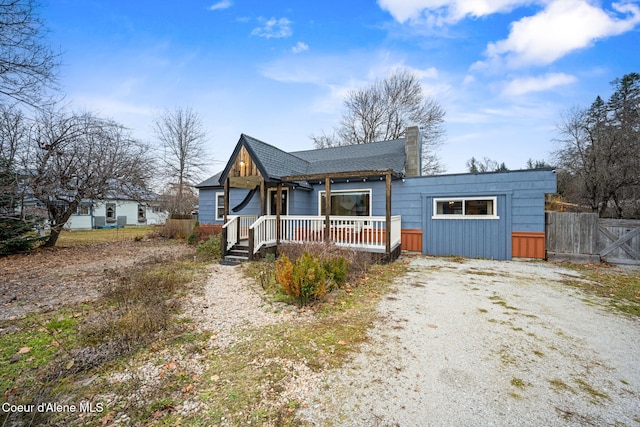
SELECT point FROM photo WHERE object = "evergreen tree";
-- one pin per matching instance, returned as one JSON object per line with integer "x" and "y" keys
{"x": 15, "y": 231}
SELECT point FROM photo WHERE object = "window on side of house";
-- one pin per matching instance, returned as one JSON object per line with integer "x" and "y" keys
{"x": 142, "y": 213}
{"x": 83, "y": 209}
{"x": 465, "y": 208}
{"x": 111, "y": 212}
{"x": 220, "y": 206}
{"x": 347, "y": 202}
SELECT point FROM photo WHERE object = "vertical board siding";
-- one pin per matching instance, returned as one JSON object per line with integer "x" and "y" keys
{"x": 472, "y": 238}
{"x": 528, "y": 244}
{"x": 411, "y": 239}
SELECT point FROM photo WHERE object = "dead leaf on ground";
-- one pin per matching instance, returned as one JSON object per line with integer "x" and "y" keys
{"x": 24, "y": 350}
{"x": 107, "y": 418}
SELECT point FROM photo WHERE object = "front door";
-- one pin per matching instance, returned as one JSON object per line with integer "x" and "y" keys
{"x": 273, "y": 195}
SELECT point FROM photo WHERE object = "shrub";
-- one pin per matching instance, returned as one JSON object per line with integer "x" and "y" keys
{"x": 210, "y": 248}
{"x": 341, "y": 265}
{"x": 305, "y": 280}
{"x": 337, "y": 269}
{"x": 192, "y": 239}
{"x": 20, "y": 244}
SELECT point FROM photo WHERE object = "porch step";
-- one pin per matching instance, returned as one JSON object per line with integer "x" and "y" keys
{"x": 238, "y": 253}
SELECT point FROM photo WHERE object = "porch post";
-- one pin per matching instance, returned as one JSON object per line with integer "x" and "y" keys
{"x": 387, "y": 227}
{"x": 225, "y": 214}
{"x": 327, "y": 209}
{"x": 263, "y": 205}
{"x": 226, "y": 200}
{"x": 278, "y": 212}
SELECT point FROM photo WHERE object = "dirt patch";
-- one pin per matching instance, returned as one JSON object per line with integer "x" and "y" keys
{"x": 56, "y": 277}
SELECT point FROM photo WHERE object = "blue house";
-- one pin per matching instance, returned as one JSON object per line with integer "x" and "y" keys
{"x": 372, "y": 197}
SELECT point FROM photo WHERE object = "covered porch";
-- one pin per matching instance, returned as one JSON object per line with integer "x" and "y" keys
{"x": 257, "y": 234}
{"x": 262, "y": 219}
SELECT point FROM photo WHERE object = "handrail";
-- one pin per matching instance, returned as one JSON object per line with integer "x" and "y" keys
{"x": 237, "y": 228}
{"x": 360, "y": 232}
{"x": 231, "y": 228}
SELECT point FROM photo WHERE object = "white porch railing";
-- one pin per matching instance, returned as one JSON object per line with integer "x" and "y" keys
{"x": 237, "y": 228}
{"x": 366, "y": 233}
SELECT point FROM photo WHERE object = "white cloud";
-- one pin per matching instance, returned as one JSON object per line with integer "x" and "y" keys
{"x": 521, "y": 86}
{"x": 439, "y": 12}
{"x": 300, "y": 47}
{"x": 564, "y": 26}
{"x": 273, "y": 28}
{"x": 334, "y": 76}
{"x": 222, "y": 4}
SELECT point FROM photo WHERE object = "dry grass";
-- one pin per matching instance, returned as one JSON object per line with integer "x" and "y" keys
{"x": 85, "y": 237}
{"x": 620, "y": 286}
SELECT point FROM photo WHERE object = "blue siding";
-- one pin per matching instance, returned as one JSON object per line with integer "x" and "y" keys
{"x": 473, "y": 238}
{"x": 520, "y": 206}
{"x": 237, "y": 195}
{"x": 207, "y": 205}
{"x": 520, "y": 200}
{"x": 300, "y": 202}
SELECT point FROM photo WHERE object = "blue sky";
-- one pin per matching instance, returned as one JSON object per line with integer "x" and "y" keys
{"x": 504, "y": 70}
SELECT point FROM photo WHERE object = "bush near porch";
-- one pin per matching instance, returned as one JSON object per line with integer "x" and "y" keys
{"x": 307, "y": 272}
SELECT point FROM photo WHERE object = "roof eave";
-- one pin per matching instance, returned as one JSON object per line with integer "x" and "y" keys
{"x": 339, "y": 175}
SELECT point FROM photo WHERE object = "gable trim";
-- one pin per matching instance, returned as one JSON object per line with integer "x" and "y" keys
{"x": 242, "y": 142}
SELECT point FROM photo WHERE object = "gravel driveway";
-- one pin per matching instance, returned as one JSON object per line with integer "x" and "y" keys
{"x": 488, "y": 343}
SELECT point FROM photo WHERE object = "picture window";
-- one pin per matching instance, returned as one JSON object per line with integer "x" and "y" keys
{"x": 460, "y": 208}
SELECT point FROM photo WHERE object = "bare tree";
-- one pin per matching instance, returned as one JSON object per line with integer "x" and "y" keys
{"x": 183, "y": 140}
{"x": 76, "y": 157}
{"x": 27, "y": 64}
{"x": 600, "y": 150}
{"x": 383, "y": 110}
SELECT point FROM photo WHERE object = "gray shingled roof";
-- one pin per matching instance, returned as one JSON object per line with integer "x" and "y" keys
{"x": 353, "y": 158}
{"x": 276, "y": 163}
{"x": 214, "y": 181}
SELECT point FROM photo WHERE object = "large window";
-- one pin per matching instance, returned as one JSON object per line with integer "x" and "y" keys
{"x": 220, "y": 206}
{"x": 347, "y": 202}
{"x": 142, "y": 213}
{"x": 469, "y": 207}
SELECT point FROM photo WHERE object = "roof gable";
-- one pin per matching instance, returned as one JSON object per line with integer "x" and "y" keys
{"x": 273, "y": 164}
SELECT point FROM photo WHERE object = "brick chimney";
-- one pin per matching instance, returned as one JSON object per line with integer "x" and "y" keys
{"x": 413, "y": 151}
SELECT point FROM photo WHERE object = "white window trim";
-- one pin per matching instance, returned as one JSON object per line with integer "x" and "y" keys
{"x": 273, "y": 190}
{"x": 463, "y": 216}
{"x": 355, "y": 190}
{"x": 218, "y": 194}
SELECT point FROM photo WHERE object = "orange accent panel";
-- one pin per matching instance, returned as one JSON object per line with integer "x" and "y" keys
{"x": 411, "y": 239}
{"x": 528, "y": 244}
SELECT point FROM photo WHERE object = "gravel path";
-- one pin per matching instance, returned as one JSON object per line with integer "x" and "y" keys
{"x": 232, "y": 302}
{"x": 487, "y": 343}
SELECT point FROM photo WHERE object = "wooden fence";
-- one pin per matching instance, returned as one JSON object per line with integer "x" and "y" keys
{"x": 587, "y": 238}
